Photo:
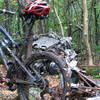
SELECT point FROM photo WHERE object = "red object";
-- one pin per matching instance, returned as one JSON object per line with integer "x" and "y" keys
{"x": 3, "y": 85}
{"x": 38, "y": 7}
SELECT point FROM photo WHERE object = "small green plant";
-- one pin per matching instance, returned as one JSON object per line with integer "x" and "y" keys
{"x": 95, "y": 72}
{"x": 96, "y": 48}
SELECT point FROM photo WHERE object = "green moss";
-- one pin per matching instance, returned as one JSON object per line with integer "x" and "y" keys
{"x": 95, "y": 72}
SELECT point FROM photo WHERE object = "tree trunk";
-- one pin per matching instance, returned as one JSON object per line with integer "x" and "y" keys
{"x": 85, "y": 32}
{"x": 7, "y": 22}
{"x": 96, "y": 23}
{"x": 27, "y": 29}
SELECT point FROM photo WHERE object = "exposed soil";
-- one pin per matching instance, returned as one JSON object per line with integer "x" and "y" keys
{"x": 6, "y": 94}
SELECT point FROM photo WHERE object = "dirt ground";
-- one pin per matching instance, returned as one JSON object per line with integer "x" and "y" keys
{"x": 6, "y": 94}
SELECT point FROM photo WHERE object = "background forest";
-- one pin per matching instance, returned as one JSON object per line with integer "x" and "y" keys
{"x": 66, "y": 19}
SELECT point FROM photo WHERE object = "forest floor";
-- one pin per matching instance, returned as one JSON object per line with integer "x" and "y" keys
{"x": 6, "y": 94}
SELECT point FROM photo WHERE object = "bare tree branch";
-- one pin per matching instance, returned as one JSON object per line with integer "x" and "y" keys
{"x": 60, "y": 23}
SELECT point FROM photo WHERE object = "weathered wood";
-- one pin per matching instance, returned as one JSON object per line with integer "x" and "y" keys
{"x": 88, "y": 79}
{"x": 85, "y": 32}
